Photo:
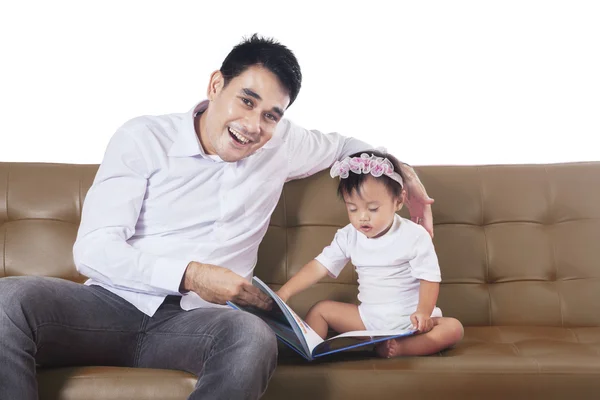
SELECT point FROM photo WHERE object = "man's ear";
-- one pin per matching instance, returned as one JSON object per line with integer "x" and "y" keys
{"x": 216, "y": 83}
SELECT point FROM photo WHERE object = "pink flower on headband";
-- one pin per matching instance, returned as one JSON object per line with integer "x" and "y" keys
{"x": 382, "y": 166}
{"x": 340, "y": 168}
{"x": 365, "y": 164}
{"x": 360, "y": 165}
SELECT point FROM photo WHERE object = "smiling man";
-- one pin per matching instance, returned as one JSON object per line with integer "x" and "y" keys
{"x": 244, "y": 112}
{"x": 170, "y": 231}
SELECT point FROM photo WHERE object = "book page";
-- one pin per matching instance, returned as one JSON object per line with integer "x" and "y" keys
{"x": 278, "y": 323}
{"x": 355, "y": 339}
{"x": 309, "y": 336}
{"x": 373, "y": 334}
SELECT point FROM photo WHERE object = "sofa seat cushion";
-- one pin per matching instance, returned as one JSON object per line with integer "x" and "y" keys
{"x": 502, "y": 362}
{"x": 540, "y": 345}
{"x": 112, "y": 383}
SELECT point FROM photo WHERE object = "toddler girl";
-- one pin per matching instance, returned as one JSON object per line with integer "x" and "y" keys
{"x": 398, "y": 271}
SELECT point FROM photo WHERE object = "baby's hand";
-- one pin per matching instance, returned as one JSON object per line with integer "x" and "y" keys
{"x": 421, "y": 322}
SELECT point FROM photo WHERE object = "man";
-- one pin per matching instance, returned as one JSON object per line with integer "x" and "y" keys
{"x": 170, "y": 231}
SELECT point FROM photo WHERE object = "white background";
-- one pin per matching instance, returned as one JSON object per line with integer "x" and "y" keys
{"x": 436, "y": 82}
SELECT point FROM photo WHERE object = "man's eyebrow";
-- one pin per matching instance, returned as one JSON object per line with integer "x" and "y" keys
{"x": 252, "y": 93}
{"x": 279, "y": 111}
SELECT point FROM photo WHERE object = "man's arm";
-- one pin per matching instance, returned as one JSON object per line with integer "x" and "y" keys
{"x": 110, "y": 213}
{"x": 310, "y": 151}
{"x": 109, "y": 216}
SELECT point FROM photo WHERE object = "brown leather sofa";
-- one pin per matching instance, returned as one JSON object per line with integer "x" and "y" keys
{"x": 519, "y": 248}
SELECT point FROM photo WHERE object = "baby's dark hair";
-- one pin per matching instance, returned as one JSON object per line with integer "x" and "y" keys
{"x": 354, "y": 181}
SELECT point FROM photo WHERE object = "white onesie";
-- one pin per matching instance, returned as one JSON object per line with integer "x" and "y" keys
{"x": 389, "y": 269}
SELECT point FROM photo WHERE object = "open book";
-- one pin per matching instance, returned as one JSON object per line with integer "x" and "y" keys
{"x": 293, "y": 331}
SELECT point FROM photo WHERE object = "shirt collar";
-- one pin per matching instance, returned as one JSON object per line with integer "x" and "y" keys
{"x": 187, "y": 143}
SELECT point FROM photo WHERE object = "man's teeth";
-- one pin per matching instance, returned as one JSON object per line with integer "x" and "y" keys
{"x": 238, "y": 136}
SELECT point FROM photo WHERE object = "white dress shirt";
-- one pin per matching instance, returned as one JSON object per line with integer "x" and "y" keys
{"x": 159, "y": 202}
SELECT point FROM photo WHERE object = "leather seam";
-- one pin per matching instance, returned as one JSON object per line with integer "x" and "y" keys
{"x": 496, "y": 223}
{"x": 487, "y": 261}
{"x": 516, "y": 348}
{"x": 7, "y": 186}
{"x": 45, "y": 219}
{"x": 574, "y": 335}
{"x": 552, "y": 241}
{"x": 4, "y": 250}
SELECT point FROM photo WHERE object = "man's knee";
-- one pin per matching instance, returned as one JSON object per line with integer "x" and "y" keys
{"x": 20, "y": 291}
{"x": 21, "y": 298}
{"x": 14, "y": 291}
{"x": 14, "y": 294}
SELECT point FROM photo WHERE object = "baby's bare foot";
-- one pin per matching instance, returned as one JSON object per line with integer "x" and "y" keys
{"x": 388, "y": 349}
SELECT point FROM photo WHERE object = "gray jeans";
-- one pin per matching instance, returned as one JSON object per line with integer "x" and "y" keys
{"x": 54, "y": 323}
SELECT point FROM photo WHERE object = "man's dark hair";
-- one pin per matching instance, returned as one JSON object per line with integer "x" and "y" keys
{"x": 354, "y": 181}
{"x": 269, "y": 54}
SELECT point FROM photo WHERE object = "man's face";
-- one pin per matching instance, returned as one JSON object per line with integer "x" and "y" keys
{"x": 243, "y": 115}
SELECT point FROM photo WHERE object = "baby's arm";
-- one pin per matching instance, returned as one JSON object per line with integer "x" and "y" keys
{"x": 310, "y": 274}
{"x": 425, "y": 267}
{"x": 428, "y": 295}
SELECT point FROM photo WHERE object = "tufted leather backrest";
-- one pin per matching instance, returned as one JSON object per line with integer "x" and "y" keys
{"x": 518, "y": 245}
{"x": 40, "y": 210}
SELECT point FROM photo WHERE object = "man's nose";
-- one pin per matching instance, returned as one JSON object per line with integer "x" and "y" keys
{"x": 252, "y": 122}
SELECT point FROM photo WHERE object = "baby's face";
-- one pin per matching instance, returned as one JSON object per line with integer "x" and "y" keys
{"x": 372, "y": 211}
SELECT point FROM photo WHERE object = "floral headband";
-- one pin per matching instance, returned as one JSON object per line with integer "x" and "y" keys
{"x": 365, "y": 164}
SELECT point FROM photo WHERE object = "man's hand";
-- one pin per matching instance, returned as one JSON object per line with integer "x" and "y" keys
{"x": 417, "y": 201}
{"x": 421, "y": 322}
{"x": 219, "y": 285}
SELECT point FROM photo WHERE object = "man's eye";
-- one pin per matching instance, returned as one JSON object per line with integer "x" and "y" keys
{"x": 247, "y": 102}
{"x": 270, "y": 117}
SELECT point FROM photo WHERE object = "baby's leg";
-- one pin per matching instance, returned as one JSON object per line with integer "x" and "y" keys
{"x": 341, "y": 317}
{"x": 445, "y": 333}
